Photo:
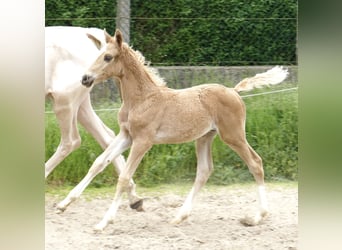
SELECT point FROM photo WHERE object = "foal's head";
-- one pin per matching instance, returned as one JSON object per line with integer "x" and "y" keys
{"x": 107, "y": 65}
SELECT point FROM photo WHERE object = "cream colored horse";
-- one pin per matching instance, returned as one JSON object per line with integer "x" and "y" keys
{"x": 151, "y": 114}
{"x": 69, "y": 51}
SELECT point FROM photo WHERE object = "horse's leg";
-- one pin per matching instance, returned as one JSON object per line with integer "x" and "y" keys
{"x": 254, "y": 163}
{"x": 204, "y": 169}
{"x": 104, "y": 136}
{"x": 117, "y": 146}
{"x": 137, "y": 152}
{"x": 70, "y": 138}
{"x": 237, "y": 141}
{"x": 94, "y": 125}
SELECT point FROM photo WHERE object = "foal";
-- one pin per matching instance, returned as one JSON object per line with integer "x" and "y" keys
{"x": 152, "y": 114}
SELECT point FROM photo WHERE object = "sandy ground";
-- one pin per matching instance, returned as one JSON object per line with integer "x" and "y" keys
{"x": 214, "y": 223}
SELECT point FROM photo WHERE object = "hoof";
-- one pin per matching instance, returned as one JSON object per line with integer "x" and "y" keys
{"x": 60, "y": 210}
{"x": 138, "y": 205}
{"x": 178, "y": 219}
{"x": 102, "y": 225}
{"x": 249, "y": 221}
{"x": 98, "y": 228}
{"x": 257, "y": 219}
{"x": 175, "y": 221}
{"x": 264, "y": 213}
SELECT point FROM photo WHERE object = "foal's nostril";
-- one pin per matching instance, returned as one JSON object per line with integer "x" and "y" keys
{"x": 87, "y": 80}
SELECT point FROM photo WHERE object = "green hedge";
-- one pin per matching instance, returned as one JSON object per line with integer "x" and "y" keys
{"x": 271, "y": 130}
{"x": 217, "y": 32}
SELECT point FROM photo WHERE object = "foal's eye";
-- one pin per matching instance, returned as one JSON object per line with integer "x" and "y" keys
{"x": 108, "y": 57}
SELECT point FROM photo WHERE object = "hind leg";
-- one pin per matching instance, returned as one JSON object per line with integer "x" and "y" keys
{"x": 204, "y": 169}
{"x": 254, "y": 163}
{"x": 240, "y": 145}
{"x": 70, "y": 138}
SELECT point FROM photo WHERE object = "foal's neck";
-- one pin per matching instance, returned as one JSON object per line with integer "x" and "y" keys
{"x": 136, "y": 84}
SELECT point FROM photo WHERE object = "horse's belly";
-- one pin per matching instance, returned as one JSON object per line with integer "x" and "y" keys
{"x": 182, "y": 132}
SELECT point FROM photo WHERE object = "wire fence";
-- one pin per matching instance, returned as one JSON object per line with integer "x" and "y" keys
{"x": 243, "y": 96}
{"x": 177, "y": 77}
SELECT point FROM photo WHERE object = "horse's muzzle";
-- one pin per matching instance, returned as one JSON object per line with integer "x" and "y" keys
{"x": 87, "y": 80}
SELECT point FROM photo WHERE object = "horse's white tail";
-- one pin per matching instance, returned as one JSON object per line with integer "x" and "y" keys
{"x": 271, "y": 77}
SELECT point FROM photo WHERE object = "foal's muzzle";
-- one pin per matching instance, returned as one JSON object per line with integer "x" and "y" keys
{"x": 87, "y": 80}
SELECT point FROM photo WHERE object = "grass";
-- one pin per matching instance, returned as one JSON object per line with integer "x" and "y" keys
{"x": 271, "y": 129}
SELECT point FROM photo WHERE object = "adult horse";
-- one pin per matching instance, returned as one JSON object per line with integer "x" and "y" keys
{"x": 152, "y": 114}
{"x": 68, "y": 53}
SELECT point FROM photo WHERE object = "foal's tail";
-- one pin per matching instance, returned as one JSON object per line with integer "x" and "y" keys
{"x": 271, "y": 77}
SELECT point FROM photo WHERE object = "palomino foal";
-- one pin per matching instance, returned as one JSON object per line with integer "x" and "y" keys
{"x": 151, "y": 114}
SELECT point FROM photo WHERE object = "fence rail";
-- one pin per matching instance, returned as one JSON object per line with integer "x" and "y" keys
{"x": 183, "y": 77}
{"x": 243, "y": 96}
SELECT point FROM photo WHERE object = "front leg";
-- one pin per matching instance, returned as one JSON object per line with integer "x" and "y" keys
{"x": 137, "y": 152}
{"x": 118, "y": 146}
{"x": 104, "y": 136}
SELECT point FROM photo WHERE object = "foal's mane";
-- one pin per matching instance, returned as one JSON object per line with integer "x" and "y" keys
{"x": 139, "y": 61}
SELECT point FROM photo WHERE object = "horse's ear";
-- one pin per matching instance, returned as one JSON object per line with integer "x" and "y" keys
{"x": 96, "y": 41}
{"x": 107, "y": 36}
{"x": 118, "y": 37}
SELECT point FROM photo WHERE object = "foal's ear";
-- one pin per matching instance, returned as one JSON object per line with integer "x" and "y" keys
{"x": 107, "y": 36}
{"x": 118, "y": 37}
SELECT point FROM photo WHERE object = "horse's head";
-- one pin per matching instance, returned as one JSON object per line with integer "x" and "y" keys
{"x": 107, "y": 64}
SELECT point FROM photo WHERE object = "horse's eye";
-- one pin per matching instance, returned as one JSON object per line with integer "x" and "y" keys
{"x": 108, "y": 57}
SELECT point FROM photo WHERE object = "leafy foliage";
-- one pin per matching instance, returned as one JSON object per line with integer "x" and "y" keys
{"x": 80, "y": 13}
{"x": 201, "y": 32}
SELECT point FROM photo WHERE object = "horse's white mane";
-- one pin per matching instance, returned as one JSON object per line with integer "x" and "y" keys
{"x": 153, "y": 73}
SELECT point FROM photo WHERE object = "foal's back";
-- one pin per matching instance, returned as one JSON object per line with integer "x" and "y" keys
{"x": 212, "y": 100}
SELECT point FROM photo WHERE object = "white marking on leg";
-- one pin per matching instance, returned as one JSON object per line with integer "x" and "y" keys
{"x": 263, "y": 210}
{"x": 263, "y": 200}
{"x": 119, "y": 144}
{"x": 110, "y": 215}
{"x": 111, "y": 212}
{"x": 185, "y": 210}
{"x": 74, "y": 193}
